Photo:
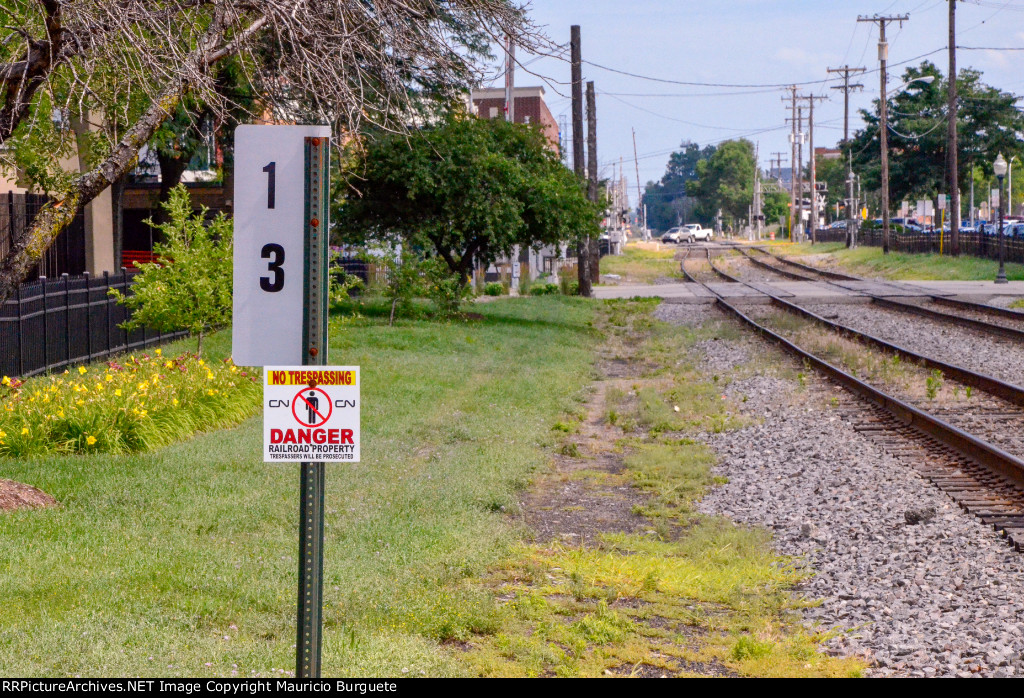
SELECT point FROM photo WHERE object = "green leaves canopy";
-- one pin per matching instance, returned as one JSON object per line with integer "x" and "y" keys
{"x": 668, "y": 202}
{"x": 469, "y": 189}
{"x": 726, "y": 181}
{"x": 988, "y": 123}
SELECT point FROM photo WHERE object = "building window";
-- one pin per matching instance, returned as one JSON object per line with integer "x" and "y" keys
{"x": 526, "y": 119}
{"x": 494, "y": 112}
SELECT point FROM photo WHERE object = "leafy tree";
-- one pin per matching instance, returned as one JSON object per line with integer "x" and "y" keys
{"x": 343, "y": 62}
{"x": 668, "y": 202}
{"x": 726, "y": 181}
{"x": 988, "y": 123}
{"x": 189, "y": 286}
{"x": 775, "y": 206}
{"x": 466, "y": 189}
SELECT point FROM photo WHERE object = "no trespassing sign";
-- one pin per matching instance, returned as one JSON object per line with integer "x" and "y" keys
{"x": 311, "y": 413}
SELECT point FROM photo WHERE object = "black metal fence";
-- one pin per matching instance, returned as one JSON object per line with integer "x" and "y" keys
{"x": 973, "y": 244}
{"x": 53, "y": 324}
{"x": 67, "y": 253}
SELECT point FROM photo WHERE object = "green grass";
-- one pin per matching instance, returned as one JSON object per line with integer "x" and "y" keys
{"x": 869, "y": 261}
{"x": 715, "y": 591}
{"x": 642, "y": 266}
{"x": 182, "y": 562}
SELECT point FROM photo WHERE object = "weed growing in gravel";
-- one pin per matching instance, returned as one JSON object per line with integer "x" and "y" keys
{"x": 933, "y": 384}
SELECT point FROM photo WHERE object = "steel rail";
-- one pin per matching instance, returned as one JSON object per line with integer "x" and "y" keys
{"x": 968, "y": 445}
{"x": 994, "y": 386}
{"x": 970, "y": 323}
{"x": 950, "y": 302}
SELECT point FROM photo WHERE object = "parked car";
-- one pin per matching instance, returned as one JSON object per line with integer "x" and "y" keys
{"x": 675, "y": 235}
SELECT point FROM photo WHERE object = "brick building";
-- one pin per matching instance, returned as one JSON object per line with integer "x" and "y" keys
{"x": 529, "y": 108}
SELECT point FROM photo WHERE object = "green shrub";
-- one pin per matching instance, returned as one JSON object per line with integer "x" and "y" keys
{"x": 494, "y": 289}
{"x": 188, "y": 287}
{"x": 444, "y": 288}
{"x": 545, "y": 290}
{"x": 138, "y": 404}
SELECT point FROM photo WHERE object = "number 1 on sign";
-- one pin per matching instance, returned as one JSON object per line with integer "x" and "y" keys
{"x": 271, "y": 170}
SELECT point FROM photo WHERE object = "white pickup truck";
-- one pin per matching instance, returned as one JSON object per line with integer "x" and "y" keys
{"x": 695, "y": 231}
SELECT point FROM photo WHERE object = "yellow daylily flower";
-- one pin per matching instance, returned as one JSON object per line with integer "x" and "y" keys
{"x": 82, "y": 370}
{"x": 90, "y": 440}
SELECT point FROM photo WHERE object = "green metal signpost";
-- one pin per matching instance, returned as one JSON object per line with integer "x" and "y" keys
{"x": 314, "y": 342}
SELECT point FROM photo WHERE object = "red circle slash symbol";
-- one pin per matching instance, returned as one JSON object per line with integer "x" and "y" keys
{"x": 315, "y": 407}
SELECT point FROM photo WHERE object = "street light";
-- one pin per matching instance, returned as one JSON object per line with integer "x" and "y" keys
{"x": 1009, "y": 190}
{"x": 1000, "y": 166}
{"x": 883, "y": 137}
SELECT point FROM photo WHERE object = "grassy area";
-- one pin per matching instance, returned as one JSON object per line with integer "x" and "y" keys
{"x": 694, "y": 594}
{"x": 642, "y": 266}
{"x": 182, "y": 561}
{"x": 869, "y": 261}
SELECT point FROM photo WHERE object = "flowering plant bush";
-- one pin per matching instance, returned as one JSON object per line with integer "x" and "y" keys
{"x": 138, "y": 404}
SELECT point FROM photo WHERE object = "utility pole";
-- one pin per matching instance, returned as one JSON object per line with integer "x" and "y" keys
{"x": 776, "y": 158}
{"x": 510, "y": 117}
{"x": 883, "y": 126}
{"x": 792, "y": 159}
{"x": 846, "y": 71}
{"x": 578, "y": 163}
{"x": 594, "y": 258}
{"x": 757, "y": 208}
{"x": 951, "y": 140}
{"x": 510, "y": 80}
{"x": 798, "y": 175}
{"x": 800, "y": 169}
{"x": 814, "y": 169}
{"x": 639, "y": 196}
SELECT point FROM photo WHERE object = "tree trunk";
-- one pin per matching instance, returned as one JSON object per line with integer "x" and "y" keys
{"x": 171, "y": 171}
{"x": 117, "y": 215}
{"x": 25, "y": 252}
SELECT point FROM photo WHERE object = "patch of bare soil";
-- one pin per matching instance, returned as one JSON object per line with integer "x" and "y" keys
{"x": 587, "y": 494}
{"x": 16, "y": 495}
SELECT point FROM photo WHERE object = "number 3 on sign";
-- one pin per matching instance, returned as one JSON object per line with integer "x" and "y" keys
{"x": 276, "y": 252}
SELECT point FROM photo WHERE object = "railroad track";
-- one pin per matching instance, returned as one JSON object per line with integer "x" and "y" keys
{"x": 1002, "y": 322}
{"x": 982, "y": 477}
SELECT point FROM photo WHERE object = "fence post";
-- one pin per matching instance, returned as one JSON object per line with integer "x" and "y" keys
{"x": 67, "y": 316}
{"x": 21, "y": 336}
{"x": 106, "y": 296}
{"x": 46, "y": 332}
{"x": 88, "y": 313}
{"x": 124, "y": 292}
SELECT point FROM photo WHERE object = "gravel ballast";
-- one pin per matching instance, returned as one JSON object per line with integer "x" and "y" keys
{"x": 937, "y": 597}
{"x": 996, "y": 356}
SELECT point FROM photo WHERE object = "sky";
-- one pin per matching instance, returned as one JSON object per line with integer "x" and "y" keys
{"x": 751, "y": 43}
